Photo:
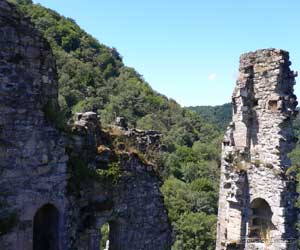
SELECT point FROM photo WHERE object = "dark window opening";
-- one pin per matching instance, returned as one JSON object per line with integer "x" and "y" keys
{"x": 260, "y": 224}
{"x": 255, "y": 102}
{"x": 272, "y": 105}
{"x": 249, "y": 70}
{"x": 232, "y": 246}
{"x": 227, "y": 185}
{"x": 234, "y": 107}
{"x": 45, "y": 228}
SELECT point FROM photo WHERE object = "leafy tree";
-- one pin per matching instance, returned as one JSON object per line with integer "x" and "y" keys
{"x": 93, "y": 77}
{"x": 219, "y": 115}
{"x": 195, "y": 231}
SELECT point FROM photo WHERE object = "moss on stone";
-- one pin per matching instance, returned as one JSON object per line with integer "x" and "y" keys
{"x": 82, "y": 174}
{"x": 54, "y": 115}
{"x": 110, "y": 175}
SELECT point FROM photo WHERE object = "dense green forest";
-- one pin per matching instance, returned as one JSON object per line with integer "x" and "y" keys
{"x": 218, "y": 115}
{"x": 93, "y": 77}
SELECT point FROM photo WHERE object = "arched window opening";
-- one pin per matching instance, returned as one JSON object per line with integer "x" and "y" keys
{"x": 104, "y": 243}
{"x": 110, "y": 236}
{"x": 45, "y": 228}
{"x": 260, "y": 224}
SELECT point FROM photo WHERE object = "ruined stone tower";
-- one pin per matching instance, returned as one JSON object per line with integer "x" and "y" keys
{"x": 52, "y": 196}
{"x": 257, "y": 195}
{"x": 33, "y": 170}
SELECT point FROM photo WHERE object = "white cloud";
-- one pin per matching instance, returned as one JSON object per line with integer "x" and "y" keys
{"x": 212, "y": 76}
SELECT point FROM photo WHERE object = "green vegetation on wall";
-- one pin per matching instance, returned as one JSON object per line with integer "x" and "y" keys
{"x": 92, "y": 77}
{"x": 82, "y": 174}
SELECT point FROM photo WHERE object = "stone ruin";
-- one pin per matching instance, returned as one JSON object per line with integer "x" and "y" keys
{"x": 257, "y": 192}
{"x": 52, "y": 196}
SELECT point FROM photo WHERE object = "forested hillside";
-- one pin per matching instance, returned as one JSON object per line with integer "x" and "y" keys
{"x": 93, "y": 77}
{"x": 218, "y": 115}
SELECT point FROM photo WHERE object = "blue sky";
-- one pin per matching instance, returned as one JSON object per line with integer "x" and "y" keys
{"x": 188, "y": 50}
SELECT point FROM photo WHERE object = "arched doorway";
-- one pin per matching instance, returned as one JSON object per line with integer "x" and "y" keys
{"x": 260, "y": 225}
{"x": 108, "y": 236}
{"x": 45, "y": 228}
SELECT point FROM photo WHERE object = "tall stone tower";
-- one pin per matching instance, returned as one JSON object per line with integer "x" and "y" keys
{"x": 257, "y": 193}
{"x": 33, "y": 160}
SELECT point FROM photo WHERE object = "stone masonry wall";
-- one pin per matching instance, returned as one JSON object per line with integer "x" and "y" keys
{"x": 32, "y": 152}
{"x": 256, "y": 204}
{"x": 132, "y": 204}
{"x": 49, "y": 197}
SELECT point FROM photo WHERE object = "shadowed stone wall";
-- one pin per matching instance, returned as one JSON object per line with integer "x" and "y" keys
{"x": 37, "y": 166}
{"x": 32, "y": 151}
{"x": 132, "y": 205}
{"x": 254, "y": 157}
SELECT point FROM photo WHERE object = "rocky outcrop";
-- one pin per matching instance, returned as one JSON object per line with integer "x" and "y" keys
{"x": 57, "y": 188}
{"x": 145, "y": 139}
{"x": 257, "y": 196}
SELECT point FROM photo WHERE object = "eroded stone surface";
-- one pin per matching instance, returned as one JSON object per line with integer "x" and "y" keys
{"x": 254, "y": 156}
{"x": 133, "y": 205}
{"x": 37, "y": 166}
{"x": 32, "y": 152}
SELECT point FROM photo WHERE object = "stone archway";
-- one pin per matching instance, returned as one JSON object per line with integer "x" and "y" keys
{"x": 109, "y": 236}
{"x": 105, "y": 235}
{"x": 46, "y": 228}
{"x": 260, "y": 220}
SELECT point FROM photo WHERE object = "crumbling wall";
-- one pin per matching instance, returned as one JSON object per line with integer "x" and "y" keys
{"x": 58, "y": 188}
{"x": 122, "y": 190}
{"x": 254, "y": 157}
{"x": 32, "y": 151}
